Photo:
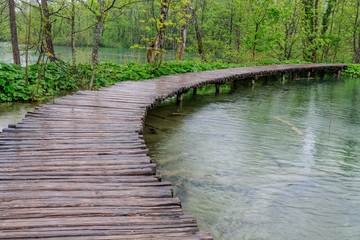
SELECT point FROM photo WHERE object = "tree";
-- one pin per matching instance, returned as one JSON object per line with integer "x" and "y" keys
{"x": 154, "y": 54}
{"x": 100, "y": 12}
{"x": 356, "y": 35}
{"x": 13, "y": 29}
{"x": 47, "y": 30}
{"x": 328, "y": 22}
{"x": 288, "y": 29}
{"x": 198, "y": 36}
{"x": 72, "y": 18}
{"x": 311, "y": 26}
{"x": 260, "y": 12}
{"x": 184, "y": 20}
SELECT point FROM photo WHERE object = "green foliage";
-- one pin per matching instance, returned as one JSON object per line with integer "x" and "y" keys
{"x": 47, "y": 81}
{"x": 353, "y": 70}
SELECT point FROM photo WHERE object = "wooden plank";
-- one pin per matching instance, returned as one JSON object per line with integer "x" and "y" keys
{"x": 97, "y": 202}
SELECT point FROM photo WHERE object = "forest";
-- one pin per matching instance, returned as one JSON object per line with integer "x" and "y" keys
{"x": 228, "y": 31}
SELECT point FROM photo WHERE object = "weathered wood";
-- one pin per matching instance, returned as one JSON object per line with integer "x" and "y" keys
{"x": 179, "y": 98}
{"x": 217, "y": 89}
{"x": 266, "y": 80}
{"x": 292, "y": 76}
{"x": 253, "y": 80}
{"x": 78, "y": 168}
{"x": 282, "y": 78}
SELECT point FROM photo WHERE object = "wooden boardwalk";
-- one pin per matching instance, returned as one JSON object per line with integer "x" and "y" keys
{"x": 78, "y": 168}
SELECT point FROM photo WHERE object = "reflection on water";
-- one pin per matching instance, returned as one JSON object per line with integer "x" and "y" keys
{"x": 238, "y": 163}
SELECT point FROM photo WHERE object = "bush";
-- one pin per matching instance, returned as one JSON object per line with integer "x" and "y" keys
{"x": 353, "y": 70}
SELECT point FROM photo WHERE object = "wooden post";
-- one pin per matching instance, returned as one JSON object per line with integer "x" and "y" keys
{"x": 339, "y": 74}
{"x": 292, "y": 76}
{"x": 253, "y": 81}
{"x": 309, "y": 75}
{"x": 194, "y": 91}
{"x": 179, "y": 99}
{"x": 282, "y": 78}
{"x": 266, "y": 79}
{"x": 217, "y": 86}
{"x": 234, "y": 85}
{"x": 322, "y": 73}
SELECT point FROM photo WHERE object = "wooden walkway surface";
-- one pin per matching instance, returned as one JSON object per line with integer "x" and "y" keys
{"x": 78, "y": 168}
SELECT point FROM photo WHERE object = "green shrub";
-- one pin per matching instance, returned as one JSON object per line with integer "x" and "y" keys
{"x": 353, "y": 70}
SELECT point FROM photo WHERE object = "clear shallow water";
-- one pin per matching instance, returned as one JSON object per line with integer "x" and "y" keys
{"x": 12, "y": 113}
{"x": 263, "y": 164}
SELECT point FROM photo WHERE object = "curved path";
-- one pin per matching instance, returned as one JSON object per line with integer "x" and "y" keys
{"x": 78, "y": 168}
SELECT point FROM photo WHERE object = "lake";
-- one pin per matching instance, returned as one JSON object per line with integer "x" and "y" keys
{"x": 116, "y": 55}
{"x": 266, "y": 163}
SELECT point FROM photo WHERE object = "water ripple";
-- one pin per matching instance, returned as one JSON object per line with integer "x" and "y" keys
{"x": 265, "y": 164}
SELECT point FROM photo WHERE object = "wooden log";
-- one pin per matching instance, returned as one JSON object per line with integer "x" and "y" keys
{"x": 179, "y": 99}
{"x": 217, "y": 89}
{"x": 253, "y": 81}
{"x": 266, "y": 79}
{"x": 282, "y": 78}
{"x": 293, "y": 75}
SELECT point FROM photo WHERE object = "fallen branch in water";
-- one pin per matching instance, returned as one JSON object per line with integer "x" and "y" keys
{"x": 298, "y": 131}
{"x": 332, "y": 113}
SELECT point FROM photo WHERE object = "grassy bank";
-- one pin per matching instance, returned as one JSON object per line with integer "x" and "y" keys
{"x": 45, "y": 82}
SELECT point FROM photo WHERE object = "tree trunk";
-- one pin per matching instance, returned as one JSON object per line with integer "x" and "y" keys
{"x": 327, "y": 24}
{"x": 27, "y": 49}
{"x": 316, "y": 29}
{"x": 237, "y": 37}
{"x": 95, "y": 51}
{"x": 73, "y": 53}
{"x": 356, "y": 36}
{"x": 357, "y": 57}
{"x": 231, "y": 27}
{"x": 160, "y": 35}
{"x": 182, "y": 44}
{"x": 357, "y": 51}
{"x": 198, "y": 36}
{"x": 47, "y": 31}
{"x": 311, "y": 22}
{"x": 14, "y": 38}
{"x": 255, "y": 41}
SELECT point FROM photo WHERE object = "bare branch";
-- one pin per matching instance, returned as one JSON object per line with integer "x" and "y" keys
{"x": 29, "y": 4}
{"x": 85, "y": 28}
{"x": 61, "y": 8}
{"x": 88, "y": 7}
{"x": 128, "y": 4}
{"x": 111, "y": 5}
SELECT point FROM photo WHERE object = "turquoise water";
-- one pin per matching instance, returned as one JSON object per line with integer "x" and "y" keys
{"x": 269, "y": 163}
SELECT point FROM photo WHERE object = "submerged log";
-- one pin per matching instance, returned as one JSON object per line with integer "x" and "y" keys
{"x": 298, "y": 131}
